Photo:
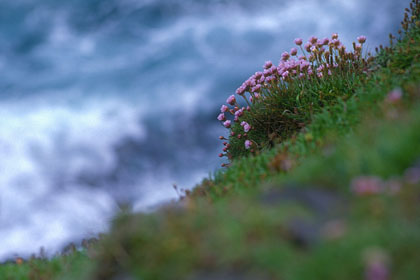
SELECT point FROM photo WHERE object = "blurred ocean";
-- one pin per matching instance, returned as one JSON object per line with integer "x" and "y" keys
{"x": 105, "y": 102}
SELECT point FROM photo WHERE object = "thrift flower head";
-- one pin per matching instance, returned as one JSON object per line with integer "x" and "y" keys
{"x": 231, "y": 100}
{"x": 334, "y": 36}
{"x": 394, "y": 96}
{"x": 308, "y": 47}
{"x": 361, "y": 39}
{"x": 239, "y": 113}
{"x": 240, "y": 90}
{"x": 256, "y": 88}
{"x": 248, "y": 144}
{"x": 367, "y": 185}
{"x": 227, "y": 124}
{"x": 298, "y": 41}
{"x": 268, "y": 64}
{"x": 224, "y": 109}
{"x": 313, "y": 40}
{"x": 293, "y": 51}
{"x": 247, "y": 127}
{"x": 221, "y": 117}
{"x": 285, "y": 56}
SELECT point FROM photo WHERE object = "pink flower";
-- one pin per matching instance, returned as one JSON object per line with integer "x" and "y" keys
{"x": 304, "y": 64}
{"x": 224, "y": 109}
{"x": 239, "y": 113}
{"x": 293, "y": 51}
{"x": 243, "y": 123}
{"x": 227, "y": 124}
{"x": 320, "y": 68}
{"x": 366, "y": 185}
{"x": 313, "y": 40}
{"x": 394, "y": 96}
{"x": 248, "y": 144}
{"x": 285, "y": 74}
{"x": 256, "y": 88}
{"x": 221, "y": 117}
{"x": 247, "y": 127}
{"x": 361, "y": 39}
{"x": 334, "y": 36}
{"x": 273, "y": 69}
{"x": 285, "y": 56}
{"x": 231, "y": 100}
{"x": 258, "y": 75}
{"x": 298, "y": 41}
{"x": 240, "y": 90}
{"x": 268, "y": 64}
{"x": 325, "y": 41}
{"x": 336, "y": 42}
{"x": 308, "y": 47}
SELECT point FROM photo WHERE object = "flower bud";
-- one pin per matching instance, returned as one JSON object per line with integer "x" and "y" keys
{"x": 231, "y": 100}
{"x": 298, "y": 41}
{"x": 227, "y": 124}
{"x": 361, "y": 39}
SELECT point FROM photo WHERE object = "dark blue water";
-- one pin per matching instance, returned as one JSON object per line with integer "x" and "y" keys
{"x": 108, "y": 102}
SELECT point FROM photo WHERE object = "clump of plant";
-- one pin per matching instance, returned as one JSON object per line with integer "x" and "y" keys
{"x": 274, "y": 104}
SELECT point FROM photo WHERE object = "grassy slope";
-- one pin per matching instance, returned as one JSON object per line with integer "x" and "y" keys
{"x": 289, "y": 212}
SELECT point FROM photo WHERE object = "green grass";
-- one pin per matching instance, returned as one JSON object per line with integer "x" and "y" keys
{"x": 289, "y": 211}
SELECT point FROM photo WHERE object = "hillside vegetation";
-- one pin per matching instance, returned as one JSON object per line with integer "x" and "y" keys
{"x": 327, "y": 186}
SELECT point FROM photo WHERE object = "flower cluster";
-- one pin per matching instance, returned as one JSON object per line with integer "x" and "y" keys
{"x": 319, "y": 59}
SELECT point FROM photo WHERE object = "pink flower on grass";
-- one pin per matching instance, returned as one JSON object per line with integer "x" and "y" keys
{"x": 285, "y": 74}
{"x": 221, "y": 117}
{"x": 231, "y": 100}
{"x": 227, "y": 124}
{"x": 248, "y": 144}
{"x": 394, "y": 96}
{"x": 298, "y": 41}
{"x": 367, "y": 185}
{"x": 293, "y": 51}
{"x": 224, "y": 108}
{"x": 361, "y": 39}
{"x": 247, "y": 127}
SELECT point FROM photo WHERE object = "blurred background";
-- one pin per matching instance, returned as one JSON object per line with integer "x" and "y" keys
{"x": 104, "y": 102}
